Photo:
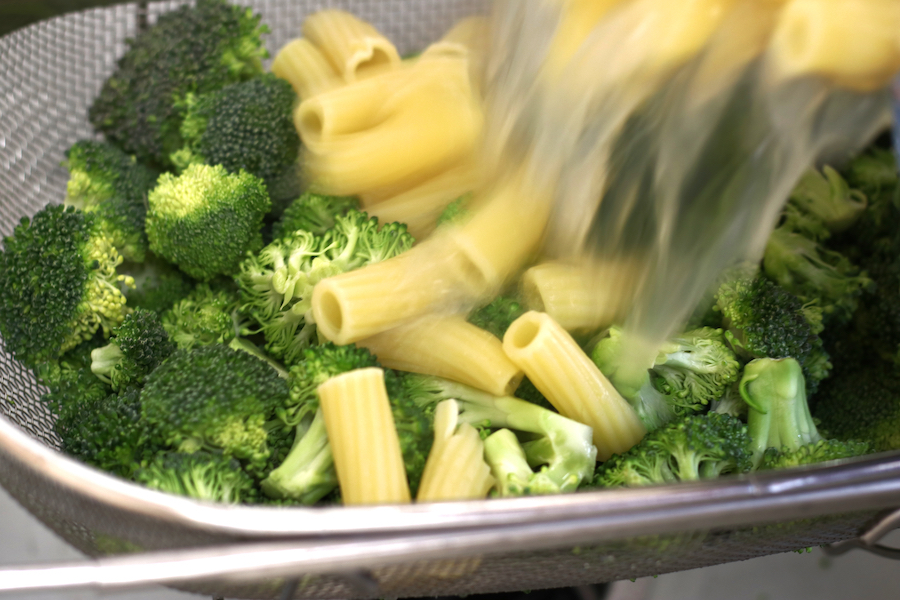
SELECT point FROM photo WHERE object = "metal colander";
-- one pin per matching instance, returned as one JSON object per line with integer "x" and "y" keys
{"x": 49, "y": 74}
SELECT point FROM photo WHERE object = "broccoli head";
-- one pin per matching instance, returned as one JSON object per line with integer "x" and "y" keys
{"x": 825, "y": 198}
{"x": 510, "y": 468}
{"x": 206, "y": 219}
{"x": 158, "y": 284}
{"x": 214, "y": 398}
{"x": 207, "y": 315}
{"x": 690, "y": 448}
{"x": 498, "y": 315}
{"x": 58, "y": 284}
{"x": 245, "y": 126}
{"x": 821, "y": 451}
{"x": 139, "y": 346}
{"x": 314, "y": 213}
{"x": 106, "y": 181}
{"x": 194, "y": 49}
{"x": 201, "y": 475}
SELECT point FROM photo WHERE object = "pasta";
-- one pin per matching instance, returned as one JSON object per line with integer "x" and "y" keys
{"x": 449, "y": 347}
{"x": 353, "y": 47}
{"x": 304, "y": 67}
{"x": 455, "y": 469}
{"x": 363, "y": 438}
{"x": 558, "y": 367}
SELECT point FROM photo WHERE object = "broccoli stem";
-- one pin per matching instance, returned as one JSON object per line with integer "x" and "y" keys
{"x": 510, "y": 468}
{"x": 104, "y": 360}
{"x": 307, "y": 474}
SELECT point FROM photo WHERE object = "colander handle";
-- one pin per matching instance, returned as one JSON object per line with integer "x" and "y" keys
{"x": 868, "y": 540}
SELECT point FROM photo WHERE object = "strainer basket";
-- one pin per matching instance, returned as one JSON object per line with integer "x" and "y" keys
{"x": 49, "y": 74}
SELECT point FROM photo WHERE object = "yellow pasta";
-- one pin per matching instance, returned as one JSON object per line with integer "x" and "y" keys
{"x": 855, "y": 43}
{"x": 578, "y": 19}
{"x": 304, "y": 67}
{"x": 580, "y": 297}
{"x": 427, "y": 124}
{"x": 353, "y": 47}
{"x": 363, "y": 438}
{"x": 560, "y": 369}
{"x": 449, "y": 347}
{"x": 455, "y": 469}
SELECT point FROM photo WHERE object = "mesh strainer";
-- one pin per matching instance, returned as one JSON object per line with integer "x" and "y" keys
{"x": 49, "y": 73}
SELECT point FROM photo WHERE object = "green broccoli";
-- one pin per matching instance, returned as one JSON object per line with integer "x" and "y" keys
{"x": 456, "y": 211}
{"x": 158, "y": 284}
{"x": 106, "y": 181}
{"x": 690, "y": 448}
{"x": 207, "y": 315}
{"x": 510, "y": 468}
{"x": 313, "y": 213}
{"x": 821, "y": 451}
{"x": 562, "y": 446}
{"x": 731, "y": 403}
{"x": 689, "y": 371}
{"x": 193, "y": 49}
{"x": 763, "y": 320}
{"x": 276, "y": 283}
{"x": 826, "y": 198}
{"x": 307, "y": 474}
{"x": 139, "y": 346}
{"x": 245, "y": 126}
{"x": 779, "y": 416}
{"x": 206, "y": 219}
{"x": 202, "y": 475}
{"x": 53, "y": 372}
{"x": 214, "y": 398}
{"x": 58, "y": 284}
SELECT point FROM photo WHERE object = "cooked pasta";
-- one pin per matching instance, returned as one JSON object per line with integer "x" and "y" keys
{"x": 363, "y": 438}
{"x": 560, "y": 369}
{"x": 304, "y": 67}
{"x": 354, "y": 48}
{"x": 455, "y": 469}
{"x": 449, "y": 347}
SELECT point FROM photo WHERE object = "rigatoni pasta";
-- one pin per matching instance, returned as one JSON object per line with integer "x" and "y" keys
{"x": 449, "y": 347}
{"x": 354, "y": 47}
{"x": 304, "y": 67}
{"x": 560, "y": 369}
{"x": 363, "y": 438}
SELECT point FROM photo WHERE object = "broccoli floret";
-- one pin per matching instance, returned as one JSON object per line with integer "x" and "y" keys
{"x": 689, "y": 371}
{"x": 106, "y": 181}
{"x": 214, "y": 398}
{"x": 731, "y": 403}
{"x": 690, "y": 448}
{"x": 158, "y": 284}
{"x": 779, "y": 417}
{"x": 498, "y": 315}
{"x": 244, "y": 126}
{"x": 189, "y": 50}
{"x": 52, "y": 373}
{"x": 456, "y": 211}
{"x": 562, "y": 446}
{"x": 206, "y": 219}
{"x": 826, "y": 198}
{"x": 509, "y": 466}
{"x": 106, "y": 430}
{"x": 276, "y": 283}
{"x": 139, "y": 346}
{"x": 815, "y": 274}
{"x": 58, "y": 284}
{"x": 201, "y": 475}
{"x": 207, "y": 315}
{"x": 763, "y": 320}
{"x": 314, "y": 213}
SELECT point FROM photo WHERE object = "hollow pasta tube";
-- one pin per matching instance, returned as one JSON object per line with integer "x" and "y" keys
{"x": 455, "y": 469}
{"x": 363, "y": 438}
{"x": 304, "y": 67}
{"x": 573, "y": 384}
{"x": 449, "y": 347}
{"x": 352, "y": 46}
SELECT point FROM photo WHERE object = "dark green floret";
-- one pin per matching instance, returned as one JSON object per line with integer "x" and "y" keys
{"x": 139, "y": 346}
{"x": 313, "y": 213}
{"x": 245, "y": 126}
{"x": 690, "y": 448}
{"x": 206, "y": 219}
{"x": 58, "y": 284}
{"x": 193, "y": 49}
{"x": 108, "y": 182}
{"x": 201, "y": 475}
{"x": 821, "y": 451}
{"x": 207, "y": 315}
{"x": 158, "y": 284}
{"x": 498, "y": 315}
{"x": 689, "y": 372}
{"x": 214, "y": 398}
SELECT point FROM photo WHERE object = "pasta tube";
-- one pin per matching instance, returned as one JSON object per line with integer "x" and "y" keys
{"x": 363, "y": 438}
{"x": 449, "y": 347}
{"x": 455, "y": 469}
{"x": 560, "y": 369}
{"x": 580, "y": 297}
{"x": 353, "y": 46}
{"x": 304, "y": 67}
{"x": 855, "y": 43}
